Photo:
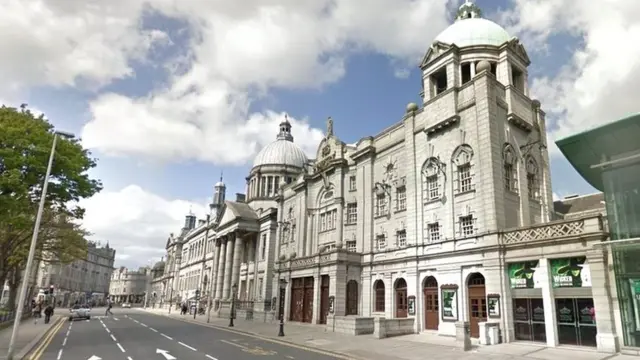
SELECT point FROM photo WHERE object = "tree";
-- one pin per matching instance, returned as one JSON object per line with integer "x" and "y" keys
{"x": 25, "y": 145}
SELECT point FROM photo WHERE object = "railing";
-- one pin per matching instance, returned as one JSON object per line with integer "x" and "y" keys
{"x": 554, "y": 230}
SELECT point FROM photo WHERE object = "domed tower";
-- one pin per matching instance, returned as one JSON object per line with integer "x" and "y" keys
{"x": 485, "y": 136}
{"x": 277, "y": 163}
{"x": 219, "y": 194}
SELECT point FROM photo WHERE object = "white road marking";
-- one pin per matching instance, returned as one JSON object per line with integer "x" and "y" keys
{"x": 64, "y": 342}
{"x": 59, "y": 354}
{"x": 145, "y": 325}
{"x": 115, "y": 318}
{"x": 120, "y": 346}
{"x": 187, "y": 346}
{"x": 167, "y": 336}
{"x": 152, "y": 329}
{"x": 210, "y": 357}
{"x": 129, "y": 358}
{"x": 114, "y": 338}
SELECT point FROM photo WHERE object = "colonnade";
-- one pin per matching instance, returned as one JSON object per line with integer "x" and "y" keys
{"x": 227, "y": 259}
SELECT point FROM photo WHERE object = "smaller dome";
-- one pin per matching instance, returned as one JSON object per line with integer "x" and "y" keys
{"x": 281, "y": 152}
{"x": 159, "y": 265}
{"x": 220, "y": 184}
{"x": 474, "y": 31}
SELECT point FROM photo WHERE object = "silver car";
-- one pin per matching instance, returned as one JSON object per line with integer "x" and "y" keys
{"x": 80, "y": 312}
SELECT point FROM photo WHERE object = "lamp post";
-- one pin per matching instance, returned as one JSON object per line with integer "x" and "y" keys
{"x": 170, "y": 298}
{"x": 234, "y": 288}
{"x": 281, "y": 295}
{"x": 34, "y": 242}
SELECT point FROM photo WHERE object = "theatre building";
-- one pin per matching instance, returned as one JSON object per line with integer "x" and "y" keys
{"x": 608, "y": 157}
{"x": 445, "y": 216}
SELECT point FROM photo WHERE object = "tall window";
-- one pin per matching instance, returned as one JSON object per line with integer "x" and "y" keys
{"x": 401, "y": 238}
{"x": 462, "y": 161}
{"x": 352, "y": 213}
{"x": 381, "y": 204}
{"x": 379, "y": 296}
{"x": 401, "y": 198}
{"x": 381, "y": 242}
{"x": 430, "y": 180}
{"x": 352, "y": 183}
{"x": 533, "y": 187}
{"x": 328, "y": 220}
{"x": 433, "y": 232}
{"x": 510, "y": 169}
{"x": 467, "y": 225}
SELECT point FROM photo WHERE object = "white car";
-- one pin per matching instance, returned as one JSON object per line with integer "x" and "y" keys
{"x": 79, "y": 312}
{"x": 126, "y": 305}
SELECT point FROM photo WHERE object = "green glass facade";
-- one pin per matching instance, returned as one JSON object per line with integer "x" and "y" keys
{"x": 622, "y": 194}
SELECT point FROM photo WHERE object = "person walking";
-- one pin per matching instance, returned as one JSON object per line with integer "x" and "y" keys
{"x": 48, "y": 311}
{"x": 109, "y": 306}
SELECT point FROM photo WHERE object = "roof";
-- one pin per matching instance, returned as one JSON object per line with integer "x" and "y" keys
{"x": 281, "y": 152}
{"x": 474, "y": 31}
{"x": 607, "y": 141}
{"x": 241, "y": 210}
{"x": 579, "y": 204}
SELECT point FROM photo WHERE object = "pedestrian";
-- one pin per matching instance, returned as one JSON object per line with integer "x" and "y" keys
{"x": 34, "y": 311}
{"x": 109, "y": 306}
{"x": 48, "y": 311}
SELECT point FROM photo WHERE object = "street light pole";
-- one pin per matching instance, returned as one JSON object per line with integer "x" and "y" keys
{"x": 281, "y": 300}
{"x": 32, "y": 248}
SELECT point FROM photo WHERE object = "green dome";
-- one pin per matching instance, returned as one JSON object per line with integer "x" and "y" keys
{"x": 474, "y": 31}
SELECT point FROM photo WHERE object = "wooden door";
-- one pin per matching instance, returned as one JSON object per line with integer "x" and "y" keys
{"x": 401, "y": 298}
{"x": 307, "y": 315}
{"x": 477, "y": 303}
{"x": 352, "y": 298}
{"x": 431, "y": 304}
{"x": 324, "y": 299}
{"x": 297, "y": 300}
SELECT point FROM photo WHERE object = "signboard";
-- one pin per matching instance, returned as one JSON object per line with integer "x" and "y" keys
{"x": 493, "y": 305}
{"x": 570, "y": 272}
{"x": 524, "y": 275}
{"x": 450, "y": 304}
{"x": 634, "y": 285}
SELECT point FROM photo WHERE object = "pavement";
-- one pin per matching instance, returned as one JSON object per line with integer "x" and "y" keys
{"x": 131, "y": 334}
{"x": 30, "y": 334}
{"x": 409, "y": 347}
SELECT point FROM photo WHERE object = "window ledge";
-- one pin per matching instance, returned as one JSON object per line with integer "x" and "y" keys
{"x": 432, "y": 201}
{"x": 350, "y": 223}
{"x": 459, "y": 193}
{"x": 399, "y": 211}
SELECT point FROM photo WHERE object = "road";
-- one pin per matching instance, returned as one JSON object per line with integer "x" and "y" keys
{"x": 132, "y": 335}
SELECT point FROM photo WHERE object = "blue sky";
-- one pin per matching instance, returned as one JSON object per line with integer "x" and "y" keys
{"x": 173, "y": 56}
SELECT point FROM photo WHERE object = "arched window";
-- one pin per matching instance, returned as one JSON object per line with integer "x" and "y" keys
{"x": 461, "y": 160}
{"x": 533, "y": 185}
{"x": 510, "y": 168}
{"x": 378, "y": 287}
{"x": 431, "y": 180}
{"x": 352, "y": 298}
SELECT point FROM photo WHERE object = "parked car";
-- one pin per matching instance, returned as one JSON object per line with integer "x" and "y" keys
{"x": 126, "y": 305}
{"x": 79, "y": 312}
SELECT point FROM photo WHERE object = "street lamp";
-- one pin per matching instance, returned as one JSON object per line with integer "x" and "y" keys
{"x": 234, "y": 288}
{"x": 34, "y": 242}
{"x": 283, "y": 287}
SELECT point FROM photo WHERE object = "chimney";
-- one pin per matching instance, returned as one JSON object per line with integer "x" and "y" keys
{"x": 240, "y": 197}
{"x": 201, "y": 222}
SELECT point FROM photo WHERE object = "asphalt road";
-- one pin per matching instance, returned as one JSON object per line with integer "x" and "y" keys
{"x": 131, "y": 335}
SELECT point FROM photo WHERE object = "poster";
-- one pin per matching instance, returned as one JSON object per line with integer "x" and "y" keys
{"x": 493, "y": 305}
{"x": 570, "y": 272}
{"x": 524, "y": 275}
{"x": 635, "y": 294}
{"x": 450, "y": 304}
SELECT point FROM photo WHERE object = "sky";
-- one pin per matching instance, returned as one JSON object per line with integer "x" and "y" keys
{"x": 169, "y": 95}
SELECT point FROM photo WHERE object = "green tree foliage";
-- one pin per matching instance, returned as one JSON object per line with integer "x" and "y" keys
{"x": 25, "y": 145}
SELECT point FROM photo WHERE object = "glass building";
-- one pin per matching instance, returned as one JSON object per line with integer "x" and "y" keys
{"x": 608, "y": 157}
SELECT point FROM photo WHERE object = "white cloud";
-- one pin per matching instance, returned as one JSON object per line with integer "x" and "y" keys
{"x": 203, "y": 112}
{"x": 135, "y": 222}
{"x": 601, "y": 82}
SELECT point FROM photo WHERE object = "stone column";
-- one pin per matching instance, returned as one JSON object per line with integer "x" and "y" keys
{"x": 214, "y": 268}
{"x": 221, "y": 268}
{"x": 550, "y": 320}
{"x": 237, "y": 262}
{"x": 256, "y": 260}
{"x": 607, "y": 339}
{"x": 228, "y": 268}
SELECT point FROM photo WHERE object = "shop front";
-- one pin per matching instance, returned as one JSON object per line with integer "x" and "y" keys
{"x": 528, "y": 305}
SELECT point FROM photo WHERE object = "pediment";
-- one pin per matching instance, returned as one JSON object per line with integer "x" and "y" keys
{"x": 329, "y": 149}
{"x": 227, "y": 215}
{"x": 519, "y": 50}
{"x": 435, "y": 50}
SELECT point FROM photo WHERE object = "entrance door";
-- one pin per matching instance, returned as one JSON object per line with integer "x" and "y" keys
{"x": 324, "y": 299}
{"x": 477, "y": 303}
{"x": 352, "y": 298}
{"x": 297, "y": 299}
{"x": 576, "y": 321}
{"x": 528, "y": 320}
{"x": 401, "y": 298}
{"x": 431, "y": 308}
{"x": 308, "y": 300}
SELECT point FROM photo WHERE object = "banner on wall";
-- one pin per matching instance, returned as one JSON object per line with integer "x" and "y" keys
{"x": 523, "y": 275}
{"x": 570, "y": 272}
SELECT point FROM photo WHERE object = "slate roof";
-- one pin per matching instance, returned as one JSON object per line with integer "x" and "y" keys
{"x": 580, "y": 204}
{"x": 241, "y": 210}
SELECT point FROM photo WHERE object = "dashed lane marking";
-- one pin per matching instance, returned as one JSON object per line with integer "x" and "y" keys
{"x": 167, "y": 336}
{"x": 187, "y": 346}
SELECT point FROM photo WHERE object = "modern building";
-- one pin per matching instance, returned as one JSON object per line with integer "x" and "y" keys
{"x": 446, "y": 216}
{"x": 608, "y": 158}
{"x": 83, "y": 280}
{"x": 130, "y": 286}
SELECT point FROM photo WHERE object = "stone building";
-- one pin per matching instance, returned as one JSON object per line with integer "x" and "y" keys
{"x": 445, "y": 217}
{"x": 130, "y": 286}
{"x": 82, "y": 280}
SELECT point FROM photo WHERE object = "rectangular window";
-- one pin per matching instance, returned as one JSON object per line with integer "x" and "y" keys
{"x": 381, "y": 205}
{"x": 433, "y": 231}
{"x": 328, "y": 220}
{"x": 532, "y": 187}
{"x": 352, "y": 213}
{"x": 381, "y": 242}
{"x": 401, "y": 237}
{"x": 351, "y": 245}
{"x": 466, "y": 225}
{"x": 508, "y": 176}
{"x": 352, "y": 183}
{"x": 401, "y": 198}
{"x": 464, "y": 177}
{"x": 433, "y": 191}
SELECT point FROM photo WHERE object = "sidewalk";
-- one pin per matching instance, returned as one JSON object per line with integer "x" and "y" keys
{"x": 29, "y": 335}
{"x": 409, "y": 347}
